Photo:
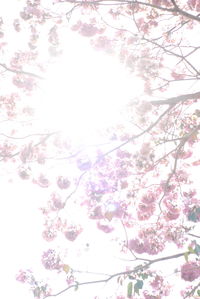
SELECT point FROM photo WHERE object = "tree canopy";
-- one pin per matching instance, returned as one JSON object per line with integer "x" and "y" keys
{"x": 137, "y": 188}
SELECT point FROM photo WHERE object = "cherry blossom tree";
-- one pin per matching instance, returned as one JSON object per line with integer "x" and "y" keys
{"x": 139, "y": 191}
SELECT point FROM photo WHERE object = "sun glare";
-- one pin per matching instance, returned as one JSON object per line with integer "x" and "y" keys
{"x": 84, "y": 92}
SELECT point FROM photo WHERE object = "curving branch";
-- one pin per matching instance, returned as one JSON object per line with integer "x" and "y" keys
{"x": 46, "y": 136}
{"x": 139, "y": 135}
{"x": 184, "y": 13}
{"x": 133, "y": 271}
{"x": 191, "y": 293}
{"x": 184, "y": 139}
{"x": 193, "y": 235}
{"x": 21, "y": 72}
{"x": 175, "y": 9}
{"x": 178, "y": 99}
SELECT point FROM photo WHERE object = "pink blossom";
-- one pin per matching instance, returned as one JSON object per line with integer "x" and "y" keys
{"x": 41, "y": 158}
{"x": 25, "y": 276}
{"x": 105, "y": 228}
{"x": 43, "y": 181}
{"x": 185, "y": 155}
{"x": 157, "y": 282}
{"x": 172, "y": 214}
{"x": 97, "y": 189}
{"x": 26, "y": 153}
{"x": 49, "y": 235}
{"x": 115, "y": 209}
{"x": 177, "y": 76}
{"x": 96, "y": 213}
{"x": 88, "y": 30}
{"x": 194, "y": 4}
{"x": 146, "y": 208}
{"x": 145, "y": 149}
{"x": 76, "y": 26}
{"x": 24, "y": 82}
{"x": 84, "y": 164}
{"x": 104, "y": 43}
{"x": 196, "y": 163}
{"x": 53, "y": 36}
{"x": 22, "y": 276}
{"x": 16, "y": 25}
{"x": 149, "y": 198}
{"x": 152, "y": 247}
{"x": 159, "y": 3}
{"x": 123, "y": 154}
{"x": 63, "y": 183}
{"x": 143, "y": 216}
{"x": 50, "y": 260}
{"x": 72, "y": 233}
{"x": 24, "y": 173}
{"x": 190, "y": 271}
{"x": 70, "y": 280}
{"x": 136, "y": 245}
{"x": 56, "y": 202}
{"x": 182, "y": 176}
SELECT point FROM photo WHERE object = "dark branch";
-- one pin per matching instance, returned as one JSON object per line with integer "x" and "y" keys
{"x": 175, "y": 9}
{"x": 135, "y": 270}
{"x": 176, "y": 100}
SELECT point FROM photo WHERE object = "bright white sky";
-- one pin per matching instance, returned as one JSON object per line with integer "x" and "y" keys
{"x": 99, "y": 87}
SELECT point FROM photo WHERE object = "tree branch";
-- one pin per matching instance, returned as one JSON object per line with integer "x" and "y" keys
{"x": 193, "y": 235}
{"x": 176, "y": 100}
{"x": 139, "y": 135}
{"x": 184, "y": 13}
{"x": 176, "y": 9}
{"x": 135, "y": 270}
{"x": 21, "y": 72}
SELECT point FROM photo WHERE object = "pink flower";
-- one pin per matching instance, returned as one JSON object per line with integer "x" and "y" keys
{"x": 172, "y": 214}
{"x": 190, "y": 271}
{"x": 145, "y": 211}
{"x": 24, "y": 173}
{"x": 72, "y": 233}
{"x": 49, "y": 235}
{"x": 185, "y": 155}
{"x": 146, "y": 208}
{"x": 22, "y": 276}
{"x": 25, "y": 276}
{"x": 16, "y": 24}
{"x": 115, "y": 209}
{"x": 88, "y": 30}
{"x": 56, "y": 202}
{"x": 63, "y": 183}
{"x": 26, "y": 153}
{"x": 136, "y": 245}
{"x": 50, "y": 260}
{"x": 123, "y": 154}
{"x": 157, "y": 282}
{"x": 43, "y": 181}
{"x": 84, "y": 164}
{"x": 194, "y": 4}
{"x": 103, "y": 43}
{"x": 145, "y": 149}
{"x": 76, "y": 26}
{"x": 196, "y": 163}
{"x": 149, "y": 198}
{"x": 70, "y": 280}
{"x": 105, "y": 228}
{"x": 182, "y": 176}
{"x": 96, "y": 213}
{"x": 153, "y": 247}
